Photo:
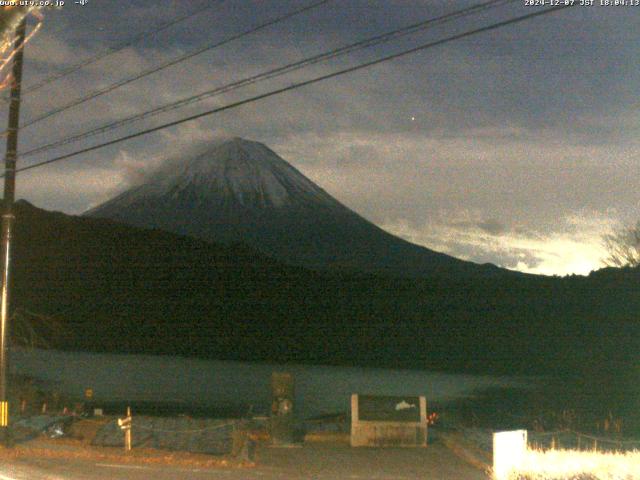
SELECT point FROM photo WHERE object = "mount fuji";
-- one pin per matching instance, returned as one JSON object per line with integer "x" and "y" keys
{"x": 240, "y": 191}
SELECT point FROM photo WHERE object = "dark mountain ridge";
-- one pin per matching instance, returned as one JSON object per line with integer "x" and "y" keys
{"x": 242, "y": 191}
{"x": 118, "y": 288}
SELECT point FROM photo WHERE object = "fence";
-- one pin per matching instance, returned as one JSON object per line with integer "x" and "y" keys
{"x": 185, "y": 434}
{"x": 563, "y": 454}
{"x": 570, "y": 439}
{"x": 557, "y": 439}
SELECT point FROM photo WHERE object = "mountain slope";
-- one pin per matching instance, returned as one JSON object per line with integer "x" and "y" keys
{"x": 241, "y": 191}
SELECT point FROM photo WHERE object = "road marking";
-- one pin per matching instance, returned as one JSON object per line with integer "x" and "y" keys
{"x": 142, "y": 467}
{"x": 114, "y": 465}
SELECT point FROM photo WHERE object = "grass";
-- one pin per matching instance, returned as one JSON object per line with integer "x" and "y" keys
{"x": 576, "y": 464}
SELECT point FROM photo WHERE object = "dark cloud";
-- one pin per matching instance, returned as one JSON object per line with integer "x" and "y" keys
{"x": 490, "y": 226}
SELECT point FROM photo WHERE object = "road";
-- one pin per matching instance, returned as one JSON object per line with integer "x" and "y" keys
{"x": 311, "y": 462}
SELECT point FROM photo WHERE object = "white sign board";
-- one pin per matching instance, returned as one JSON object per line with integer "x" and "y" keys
{"x": 509, "y": 450}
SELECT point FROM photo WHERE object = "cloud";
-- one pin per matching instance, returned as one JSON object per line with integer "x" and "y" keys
{"x": 490, "y": 226}
{"x": 74, "y": 194}
{"x": 47, "y": 50}
{"x": 576, "y": 248}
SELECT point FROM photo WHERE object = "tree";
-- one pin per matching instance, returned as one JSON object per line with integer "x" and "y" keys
{"x": 623, "y": 247}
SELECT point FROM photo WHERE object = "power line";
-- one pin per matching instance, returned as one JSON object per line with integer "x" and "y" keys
{"x": 299, "y": 85}
{"x": 117, "y": 48}
{"x": 362, "y": 44}
{"x": 169, "y": 63}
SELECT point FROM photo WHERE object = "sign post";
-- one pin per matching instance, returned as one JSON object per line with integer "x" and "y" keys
{"x": 125, "y": 425}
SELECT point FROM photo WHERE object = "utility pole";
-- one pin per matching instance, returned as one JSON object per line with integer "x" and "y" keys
{"x": 8, "y": 220}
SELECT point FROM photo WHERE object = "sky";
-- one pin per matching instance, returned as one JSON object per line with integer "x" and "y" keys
{"x": 516, "y": 146}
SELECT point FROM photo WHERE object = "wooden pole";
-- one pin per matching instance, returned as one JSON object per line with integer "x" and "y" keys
{"x": 127, "y": 432}
{"x": 7, "y": 223}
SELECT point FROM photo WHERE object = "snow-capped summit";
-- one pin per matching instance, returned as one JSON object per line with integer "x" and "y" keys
{"x": 234, "y": 172}
{"x": 241, "y": 191}
{"x": 247, "y": 172}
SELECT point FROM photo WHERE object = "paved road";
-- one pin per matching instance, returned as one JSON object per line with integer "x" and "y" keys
{"x": 311, "y": 462}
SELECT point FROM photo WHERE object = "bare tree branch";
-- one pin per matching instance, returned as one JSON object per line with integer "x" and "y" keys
{"x": 623, "y": 247}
